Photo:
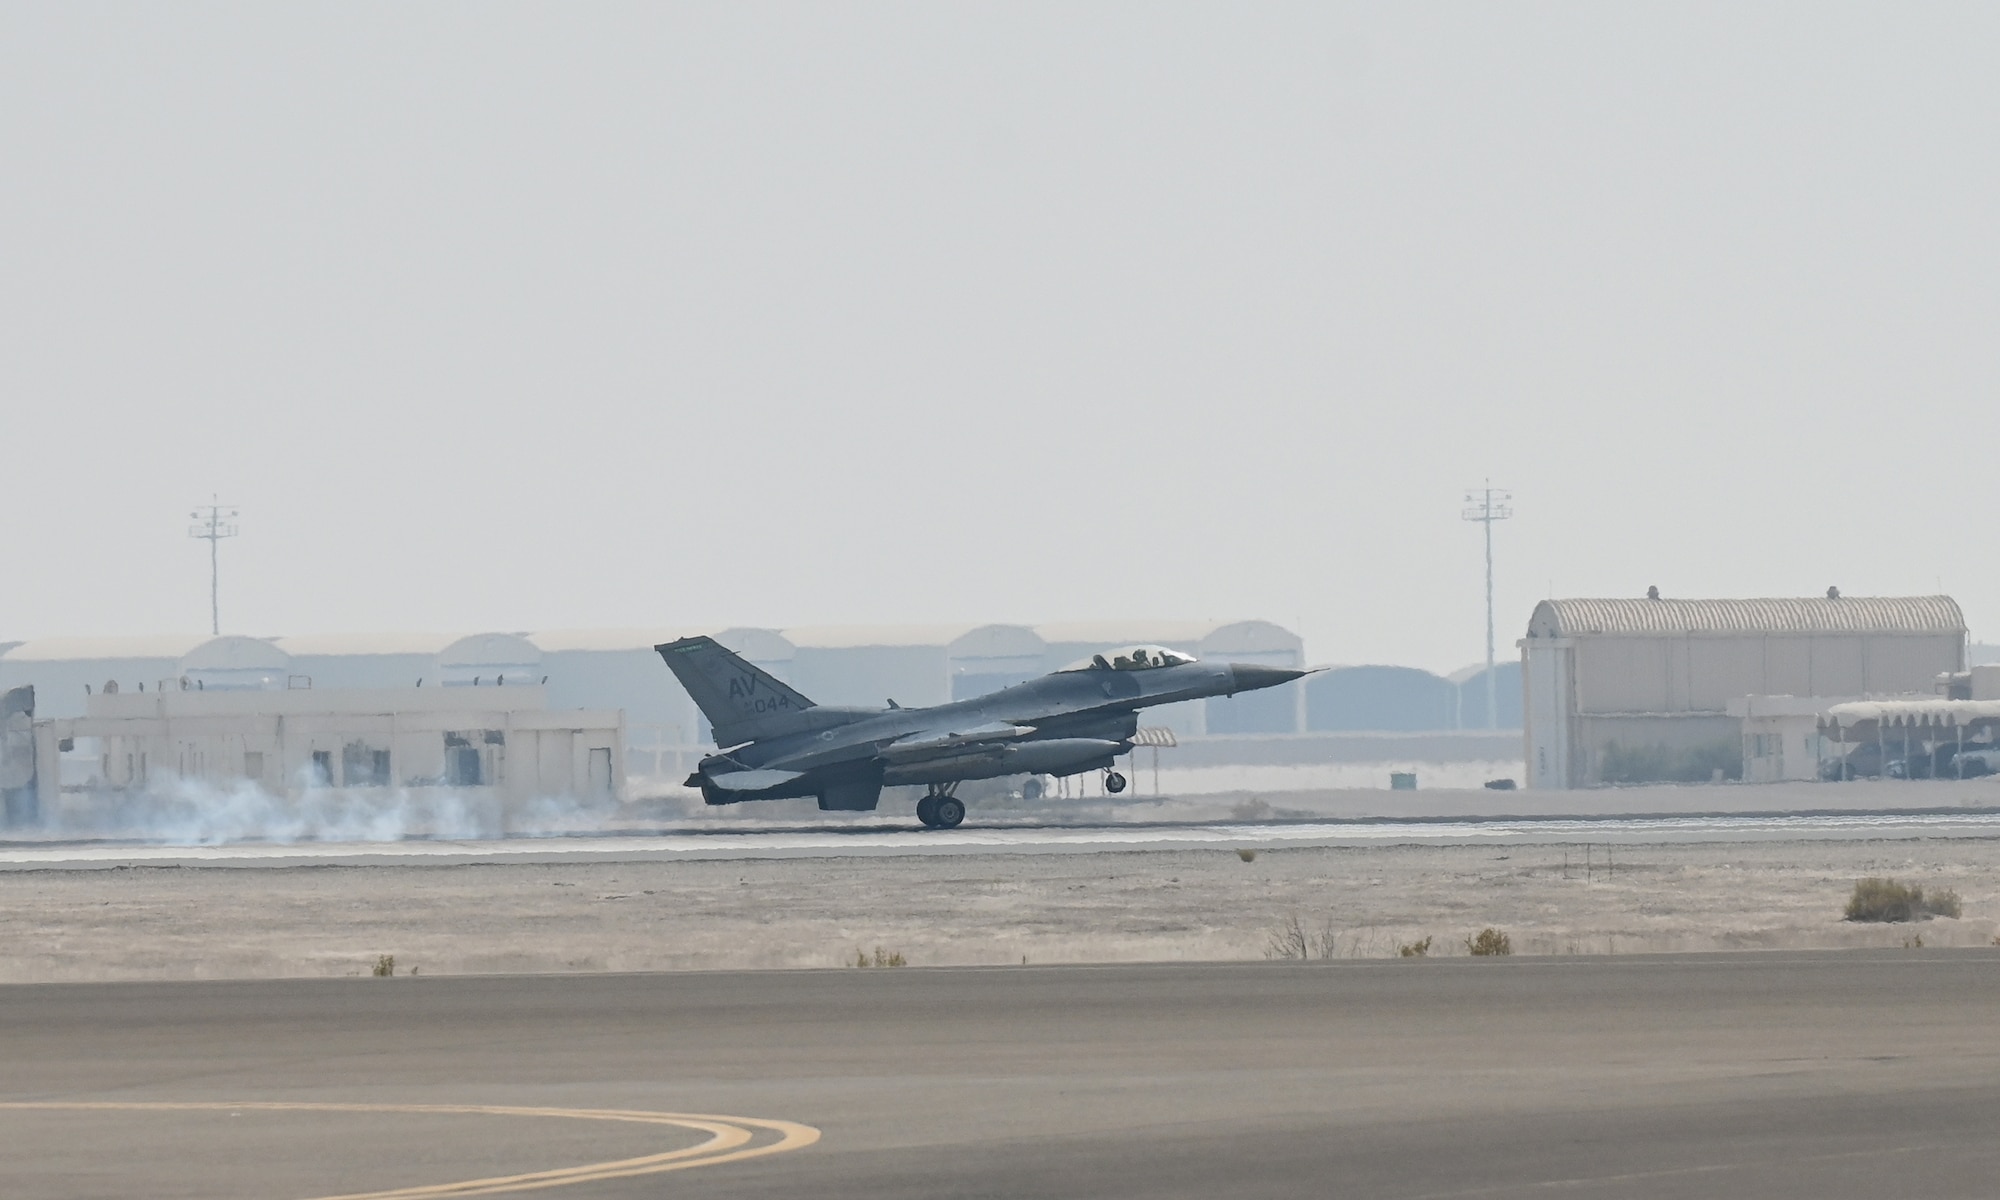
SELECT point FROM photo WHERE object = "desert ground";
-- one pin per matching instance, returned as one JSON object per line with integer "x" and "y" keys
{"x": 1205, "y": 904}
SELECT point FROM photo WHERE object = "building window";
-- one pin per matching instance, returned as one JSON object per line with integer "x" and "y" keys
{"x": 363, "y": 766}
{"x": 462, "y": 767}
{"x": 322, "y": 769}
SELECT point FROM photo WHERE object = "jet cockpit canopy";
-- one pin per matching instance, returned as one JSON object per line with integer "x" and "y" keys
{"x": 1132, "y": 658}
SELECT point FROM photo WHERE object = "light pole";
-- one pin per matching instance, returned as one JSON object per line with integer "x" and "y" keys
{"x": 1486, "y": 505}
{"x": 217, "y": 521}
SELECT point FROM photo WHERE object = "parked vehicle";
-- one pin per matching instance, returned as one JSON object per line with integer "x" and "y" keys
{"x": 1871, "y": 760}
{"x": 1975, "y": 761}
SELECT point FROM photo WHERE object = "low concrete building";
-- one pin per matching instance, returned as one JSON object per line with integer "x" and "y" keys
{"x": 492, "y": 743}
{"x": 1983, "y": 682}
{"x": 1781, "y": 737}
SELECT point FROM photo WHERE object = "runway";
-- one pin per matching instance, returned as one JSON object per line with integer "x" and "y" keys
{"x": 1817, "y": 1075}
{"x": 876, "y": 838}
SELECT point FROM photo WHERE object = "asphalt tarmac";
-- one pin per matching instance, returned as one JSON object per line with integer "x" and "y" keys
{"x": 885, "y": 839}
{"x": 1822, "y": 1075}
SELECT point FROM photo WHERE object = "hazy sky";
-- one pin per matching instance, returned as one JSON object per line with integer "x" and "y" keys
{"x": 514, "y": 317}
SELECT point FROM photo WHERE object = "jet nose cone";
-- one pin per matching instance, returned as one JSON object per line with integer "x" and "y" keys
{"x": 1249, "y": 678}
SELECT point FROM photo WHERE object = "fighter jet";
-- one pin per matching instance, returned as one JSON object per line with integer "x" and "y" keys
{"x": 778, "y": 744}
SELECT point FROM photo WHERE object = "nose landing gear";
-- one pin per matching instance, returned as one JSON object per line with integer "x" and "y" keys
{"x": 1114, "y": 782}
{"x": 940, "y": 809}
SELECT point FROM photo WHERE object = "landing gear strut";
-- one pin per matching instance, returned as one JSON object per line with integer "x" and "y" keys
{"x": 940, "y": 809}
{"x": 1114, "y": 782}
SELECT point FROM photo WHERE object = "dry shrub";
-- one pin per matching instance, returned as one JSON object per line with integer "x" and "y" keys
{"x": 1288, "y": 940}
{"x": 1489, "y": 943}
{"x": 1291, "y": 939}
{"x": 1247, "y": 854}
{"x": 1879, "y": 899}
{"x": 1415, "y": 949}
{"x": 883, "y": 958}
{"x": 385, "y": 966}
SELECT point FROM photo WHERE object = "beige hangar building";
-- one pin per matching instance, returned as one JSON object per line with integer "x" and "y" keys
{"x": 503, "y": 745}
{"x": 1658, "y": 677}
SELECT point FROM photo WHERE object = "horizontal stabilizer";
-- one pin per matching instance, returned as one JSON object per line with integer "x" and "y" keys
{"x": 752, "y": 781}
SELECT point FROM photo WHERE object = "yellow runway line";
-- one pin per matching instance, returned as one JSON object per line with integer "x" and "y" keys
{"x": 728, "y": 1139}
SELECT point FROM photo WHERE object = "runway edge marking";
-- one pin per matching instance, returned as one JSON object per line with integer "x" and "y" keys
{"x": 727, "y": 1140}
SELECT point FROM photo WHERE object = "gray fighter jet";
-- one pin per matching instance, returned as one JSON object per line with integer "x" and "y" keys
{"x": 779, "y": 744}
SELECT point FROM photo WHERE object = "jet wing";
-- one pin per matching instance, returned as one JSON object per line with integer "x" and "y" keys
{"x": 950, "y": 741}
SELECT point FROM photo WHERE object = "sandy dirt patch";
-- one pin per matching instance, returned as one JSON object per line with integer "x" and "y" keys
{"x": 185, "y": 923}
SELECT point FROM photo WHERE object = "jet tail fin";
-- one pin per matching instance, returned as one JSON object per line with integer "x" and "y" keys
{"x": 742, "y": 702}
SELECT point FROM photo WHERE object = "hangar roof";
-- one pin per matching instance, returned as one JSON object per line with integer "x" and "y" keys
{"x": 1234, "y": 640}
{"x": 168, "y": 645}
{"x": 1250, "y": 637}
{"x": 1466, "y": 675}
{"x": 765, "y": 646}
{"x": 231, "y": 652}
{"x": 1110, "y": 633}
{"x": 490, "y": 649}
{"x": 849, "y": 637}
{"x": 1351, "y": 670}
{"x": 366, "y": 643}
{"x": 1780, "y": 615}
{"x": 999, "y": 641}
{"x": 552, "y": 641}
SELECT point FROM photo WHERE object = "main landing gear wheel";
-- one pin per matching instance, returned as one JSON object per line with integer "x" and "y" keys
{"x": 939, "y": 809}
{"x": 1114, "y": 782}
